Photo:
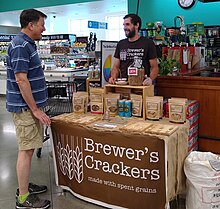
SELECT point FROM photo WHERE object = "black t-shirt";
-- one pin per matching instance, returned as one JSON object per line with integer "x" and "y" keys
{"x": 142, "y": 48}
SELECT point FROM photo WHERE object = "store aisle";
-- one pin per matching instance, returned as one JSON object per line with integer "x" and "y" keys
{"x": 42, "y": 171}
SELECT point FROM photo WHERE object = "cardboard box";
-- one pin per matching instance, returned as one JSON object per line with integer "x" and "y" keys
{"x": 193, "y": 106}
{"x": 195, "y": 147}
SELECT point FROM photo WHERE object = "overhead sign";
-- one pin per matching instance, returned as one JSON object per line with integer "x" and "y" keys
{"x": 107, "y": 54}
{"x": 6, "y": 38}
{"x": 97, "y": 25}
{"x": 103, "y": 25}
{"x": 59, "y": 37}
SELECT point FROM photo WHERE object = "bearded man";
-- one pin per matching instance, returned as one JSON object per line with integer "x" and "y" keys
{"x": 134, "y": 46}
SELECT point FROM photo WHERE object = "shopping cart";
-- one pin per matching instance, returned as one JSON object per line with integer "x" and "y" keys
{"x": 60, "y": 95}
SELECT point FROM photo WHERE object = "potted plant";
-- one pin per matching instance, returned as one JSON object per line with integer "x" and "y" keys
{"x": 166, "y": 65}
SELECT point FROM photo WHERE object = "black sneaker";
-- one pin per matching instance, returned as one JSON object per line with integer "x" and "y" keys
{"x": 35, "y": 189}
{"x": 32, "y": 202}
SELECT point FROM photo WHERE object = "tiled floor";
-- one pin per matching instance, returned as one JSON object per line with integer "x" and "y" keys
{"x": 42, "y": 172}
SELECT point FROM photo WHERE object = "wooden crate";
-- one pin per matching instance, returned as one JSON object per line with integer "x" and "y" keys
{"x": 145, "y": 91}
{"x": 91, "y": 80}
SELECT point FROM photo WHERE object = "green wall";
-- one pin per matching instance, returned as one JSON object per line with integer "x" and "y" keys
{"x": 167, "y": 10}
{"x": 11, "y": 5}
{"x": 149, "y": 10}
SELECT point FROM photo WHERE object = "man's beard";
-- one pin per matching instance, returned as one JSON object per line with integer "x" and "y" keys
{"x": 131, "y": 34}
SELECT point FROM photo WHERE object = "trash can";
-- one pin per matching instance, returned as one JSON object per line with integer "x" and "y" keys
{"x": 202, "y": 171}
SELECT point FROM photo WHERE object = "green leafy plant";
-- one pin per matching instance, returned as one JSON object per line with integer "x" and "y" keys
{"x": 166, "y": 65}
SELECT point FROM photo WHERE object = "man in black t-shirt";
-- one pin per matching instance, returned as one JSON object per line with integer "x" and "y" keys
{"x": 134, "y": 46}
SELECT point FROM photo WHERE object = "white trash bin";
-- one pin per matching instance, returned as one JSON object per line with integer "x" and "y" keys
{"x": 202, "y": 171}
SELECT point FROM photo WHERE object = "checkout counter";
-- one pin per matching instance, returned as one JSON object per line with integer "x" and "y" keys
{"x": 206, "y": 90}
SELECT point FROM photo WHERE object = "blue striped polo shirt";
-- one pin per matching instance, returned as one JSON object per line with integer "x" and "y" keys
{"x": 22, "y": 57}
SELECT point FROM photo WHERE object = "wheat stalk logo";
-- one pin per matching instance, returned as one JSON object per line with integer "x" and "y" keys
{"x": 70, "y": 156}
{"x": 69, "y": 164}
{"x": 78, "y": 164}
{"x": 61, "y": 155}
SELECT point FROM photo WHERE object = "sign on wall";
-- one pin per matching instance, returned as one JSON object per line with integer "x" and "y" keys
{"x": 97, "y": 25}
{"x": 6, "y": 38}
{"x": 107, "y": 59}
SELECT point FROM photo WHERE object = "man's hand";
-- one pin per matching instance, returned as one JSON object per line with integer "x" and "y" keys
{"x": 42, "y": 117}
{"x": 147, "y": 81}
{"x": 112, "y": 80}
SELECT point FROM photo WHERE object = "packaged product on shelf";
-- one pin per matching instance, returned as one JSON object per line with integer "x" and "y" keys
{"x": 136, "y": 104}
{"x": 111, "y": 103}
{"x": 177, "y": 110}
{"x": 192, "y": 108}
{"x": 136, "y": 73}
{"x": 96, "y": 95}
{"x": 60, "y": 49}
{"x": 80, "y": 102}
{"x": 121, "y": 104}
{"x": 96, "y": 100}
{"x": 161, "y": 105}
{"x": 127, "y": 108}
{"x": 158, "y": 98}
{"x": 153, "y": 108}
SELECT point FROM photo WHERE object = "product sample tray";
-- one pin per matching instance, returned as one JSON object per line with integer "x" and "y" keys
{"x": 82, "y": 119}
{"x": 139, "y": 126}
{"x": 161, "y": 129}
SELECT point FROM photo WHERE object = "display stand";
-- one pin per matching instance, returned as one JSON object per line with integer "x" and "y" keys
{"x": 145, "y": 91}
{"x": 91, "y": 80}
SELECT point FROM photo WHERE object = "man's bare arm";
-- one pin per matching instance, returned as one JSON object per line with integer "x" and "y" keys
{"x": 154, "y": 69}
{"x": 25, "y": 89}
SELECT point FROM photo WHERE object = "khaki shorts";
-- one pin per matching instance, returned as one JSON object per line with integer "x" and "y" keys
{"x": 29, "y": 130}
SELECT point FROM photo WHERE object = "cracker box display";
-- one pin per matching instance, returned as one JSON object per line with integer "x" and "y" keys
{"x": 153, "y": 108}
{"x": 136, "y": 105}
{"x": 80, "y": 102}
{"x": 111, "y": 103}
{"x": 160, "y": 98}
{"x": 177, "y": 110}
{"x": 96, "y": 100}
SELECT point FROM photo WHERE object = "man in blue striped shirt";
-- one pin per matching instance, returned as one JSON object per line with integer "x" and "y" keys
{"x": 26, "y": 94}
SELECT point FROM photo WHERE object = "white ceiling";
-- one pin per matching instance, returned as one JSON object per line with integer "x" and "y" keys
{"x": 77, "y": 11}
{"x": 85, "y": 9}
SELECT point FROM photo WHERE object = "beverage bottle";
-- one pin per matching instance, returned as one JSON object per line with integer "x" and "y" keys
{"x": 97, "y": 72}
{"x": 90, "y": 72}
